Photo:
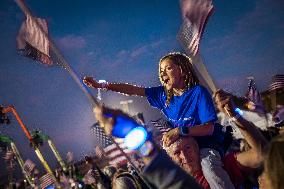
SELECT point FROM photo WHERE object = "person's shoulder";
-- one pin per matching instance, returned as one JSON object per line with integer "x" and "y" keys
{"x": 157, "y": 88}
{"x": 199, "y": 88}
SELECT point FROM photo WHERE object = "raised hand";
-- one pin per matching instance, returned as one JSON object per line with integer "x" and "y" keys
{"x": 225, "y": 103}
{"x": 115, "y": 122}
{"x": 170, "y": 137}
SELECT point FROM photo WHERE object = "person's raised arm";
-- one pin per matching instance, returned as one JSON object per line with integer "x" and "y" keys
{"x": 253, "y": 157}
{"x": 124, "y": 88}
{"x": 160, "y": 170}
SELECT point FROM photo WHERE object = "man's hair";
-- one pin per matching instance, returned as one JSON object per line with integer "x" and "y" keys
{"x": 274, "y": 162}
{"x": 124, "y": 180}
{"x": 178, "y": 142}
{"x": 185, "y": 64}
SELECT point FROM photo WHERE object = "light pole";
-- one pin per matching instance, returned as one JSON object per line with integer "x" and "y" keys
{"x": 125, "y": 105}
{"x": 99, "y": 95}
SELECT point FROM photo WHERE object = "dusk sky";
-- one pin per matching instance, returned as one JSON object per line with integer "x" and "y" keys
{"x": 122, "y": 41}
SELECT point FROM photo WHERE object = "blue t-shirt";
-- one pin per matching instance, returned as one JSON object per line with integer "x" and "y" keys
{"x": 194, "y": 107}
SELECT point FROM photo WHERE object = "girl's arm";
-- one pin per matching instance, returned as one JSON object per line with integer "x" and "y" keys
{"x": 124, "y": 88}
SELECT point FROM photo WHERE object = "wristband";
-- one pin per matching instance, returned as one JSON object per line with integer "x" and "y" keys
{"x": 104, "y": 84}
{"x": 184, "y": 131}
{"x": 239, "y": 114}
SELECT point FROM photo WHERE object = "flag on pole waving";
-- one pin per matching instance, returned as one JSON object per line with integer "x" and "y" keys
{"x": 32, "y": 40}
{"x": 195, "y": 14}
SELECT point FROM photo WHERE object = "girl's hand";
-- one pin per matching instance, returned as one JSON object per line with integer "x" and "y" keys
{"x": 170, "y": 137}
{"x": 91, "y": 82}
{"x": 225, "y": 102}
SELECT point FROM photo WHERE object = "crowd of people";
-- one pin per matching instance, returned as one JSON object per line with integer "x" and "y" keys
{"x": 198, "y": 151}
{"x": 196, "y": 142}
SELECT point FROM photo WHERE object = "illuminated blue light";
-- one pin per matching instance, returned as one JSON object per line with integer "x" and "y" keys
{"x": 135, "y": 138}
{"x": 239, "y": 111}
{"x": 50, "y": 187}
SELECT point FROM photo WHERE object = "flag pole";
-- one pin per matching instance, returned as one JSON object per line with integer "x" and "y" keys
{"x": 57, "y": 53}
{"x": 74, "y": 76}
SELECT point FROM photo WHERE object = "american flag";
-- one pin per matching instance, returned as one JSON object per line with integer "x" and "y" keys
{"x": 99, "y": 152}
{"x": 161, "y": 125}
{"x": 114, "y": 155}
{"x": 69, "y": 157}
{"x": 253, "y": 96}
{"x": 46, "y": 180}
{"x": 277, "y": 82}
{"x": 252, "y": 93}
{"x": 32, "y": 40}
{"x": 9, "y": 155}
{"x": 29, "y": 166}
{"x": 278, "y": 115}
{"x": 195, "y": 14}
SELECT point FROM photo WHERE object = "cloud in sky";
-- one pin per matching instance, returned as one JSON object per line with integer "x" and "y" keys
{"x": 249, "y": 29}
{"x": 252, "y": 47}
{"x": 135, "y": 59}
{"x": 70, "y": 42}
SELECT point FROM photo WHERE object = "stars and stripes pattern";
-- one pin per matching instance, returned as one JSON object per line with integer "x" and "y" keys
{"x": 69, "y": 157}
{"x": 110, "y": 150}
{"x": 161, "y": 125}
{"x": 29, "y": 166}
{"x": 9, "y": 155}
{"x": 46, "y": 180}
{"x": 32, "y": 40}
{"x": 277, "y": 82}
{"x": 253, "y": 95}
{"x": 195, "y": 14}
{"x": 278, "y": 115}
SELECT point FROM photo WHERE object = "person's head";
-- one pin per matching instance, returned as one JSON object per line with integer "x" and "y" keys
{"x": 185, "y": 153}
{"x": 176, "y": 72}
{"x": 124, "y": 180}
{"x": 109, "y": 171}
{"x": 274, "y": 165}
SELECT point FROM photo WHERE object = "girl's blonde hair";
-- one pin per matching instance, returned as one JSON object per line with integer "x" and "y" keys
{"x": 274, "y": 162}
{"x": 185, "y": 64}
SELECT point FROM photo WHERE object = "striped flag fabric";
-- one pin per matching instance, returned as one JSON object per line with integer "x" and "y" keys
{"x": 46, "y": 181}
{"x": 9, "y": 155}
{"x": 32, "y": 40}
{"x": 278, "y": 115}
{"x": 255, "y": 103}
{"x": 69, "y": 157}
{"x": 195, "y": 14}
{"x": 277, "y": 82}
{"x": 161, "y": 125}
{"x": 99, "y": 152}
{"x": 29, "y": 166}
{"x": 114, "y": 155}
{"x": 253, "y": 94}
